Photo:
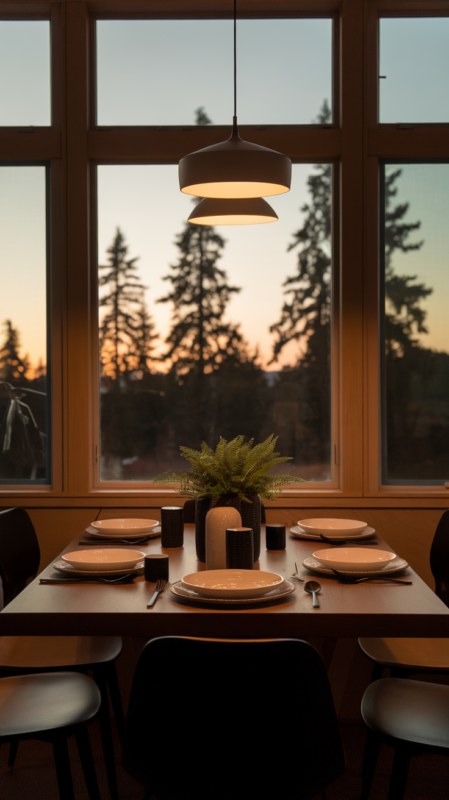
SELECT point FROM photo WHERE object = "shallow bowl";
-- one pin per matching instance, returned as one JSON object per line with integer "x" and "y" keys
{"x": 123, "y": 527}
{"x": 354, "y": 559}
{"x": 232, "y": 582}
{"x": 103, "y": 559}
{"x": 333, "y": 527}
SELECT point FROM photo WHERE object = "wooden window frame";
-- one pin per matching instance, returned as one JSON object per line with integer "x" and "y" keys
{"x": 354, "y": 143}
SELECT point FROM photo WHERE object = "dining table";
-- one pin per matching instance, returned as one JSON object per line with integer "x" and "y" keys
{"x": 363, "y": 609}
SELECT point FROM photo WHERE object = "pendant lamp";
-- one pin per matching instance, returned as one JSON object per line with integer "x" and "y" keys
{"x": 213, "y": 211}
{"x": 235, "y": 168}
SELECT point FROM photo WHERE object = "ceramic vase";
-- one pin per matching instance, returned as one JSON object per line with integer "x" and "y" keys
{"x": 217, "y": 521}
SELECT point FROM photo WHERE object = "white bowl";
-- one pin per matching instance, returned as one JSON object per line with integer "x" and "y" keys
{"x": 103, "y": 559}
{"x": 232, "y": 582}
{"x": 354, "y": 559}
{"x": 333, "y": 527}
{"x": 122, "y": 527}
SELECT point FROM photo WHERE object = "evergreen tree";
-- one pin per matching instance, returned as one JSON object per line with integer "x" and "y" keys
{"x": 404, "y": 317}
{"x": 200, "y": 340}
{"x": 120, "y": 336}
{"x": 144, "y": 335}
{"x": 306, "y": 313}
{"x": 12, "y": 366}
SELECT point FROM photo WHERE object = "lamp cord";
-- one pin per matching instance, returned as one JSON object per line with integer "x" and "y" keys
{"x": 234, "y": 126}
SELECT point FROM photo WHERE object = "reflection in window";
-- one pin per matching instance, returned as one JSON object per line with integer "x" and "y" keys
{"x": 415, "y": 359}
{"x": 24, "y": 382}
{"x": 209, "y": 332}
{"x": 414, "y": 63}
{"x": 284, "y": 70}
{"x": 25, "y": 72}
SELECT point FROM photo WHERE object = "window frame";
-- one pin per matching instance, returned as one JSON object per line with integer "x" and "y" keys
{"x": 354, "y": 142}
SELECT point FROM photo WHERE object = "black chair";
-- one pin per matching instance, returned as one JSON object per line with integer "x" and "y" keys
{"x": 407, "y": 656}
{"x": 51, "y": 707}
{"x": 221, "y": 720}
{"x": 19, "y": 563}
{"x": 411, "y": 716}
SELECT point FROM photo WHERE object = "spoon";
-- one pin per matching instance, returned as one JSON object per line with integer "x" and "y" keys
{"x": 313, "y": 587}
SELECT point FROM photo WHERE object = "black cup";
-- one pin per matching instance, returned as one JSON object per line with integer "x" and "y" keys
{"x": 156, "y": 566}
{"x": 239, "y": 548}
{"x": 172, "y": 526}
{"x": 275, "y": 537}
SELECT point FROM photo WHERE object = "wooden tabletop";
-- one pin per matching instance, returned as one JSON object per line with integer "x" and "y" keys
{"x": 365, "y": 609}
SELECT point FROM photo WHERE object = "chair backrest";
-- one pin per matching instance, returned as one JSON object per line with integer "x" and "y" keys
{"x": 19, "y": 552}
{"x": 439, "y": 558}
{"x": 231, "y": 719}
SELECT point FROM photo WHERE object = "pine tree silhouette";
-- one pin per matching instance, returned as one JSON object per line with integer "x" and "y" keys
{"x": 121, "y": 337}
{"x": 12, "y": 366}
{"x": 200, "y": 341}
{"x": 404, "y": 317}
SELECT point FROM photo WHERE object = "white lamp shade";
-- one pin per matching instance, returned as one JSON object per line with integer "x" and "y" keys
{"x": 252, "y": 211}
{"x": 235, "y": 169}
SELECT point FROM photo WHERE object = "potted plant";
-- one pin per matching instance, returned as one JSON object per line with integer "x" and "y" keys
{"x": 234, "y": 474}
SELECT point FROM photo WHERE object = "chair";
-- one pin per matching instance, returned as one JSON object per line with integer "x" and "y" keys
{"x": 406, "y": 656}
{"x": 219, "y": 719}
{"x": 19, "y": 563}
{"x": 413, "y": 717}
{"x": 51, "y": 707}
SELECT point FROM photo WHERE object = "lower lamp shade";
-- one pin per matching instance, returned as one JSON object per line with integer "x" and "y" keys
{"x": 219, "y": 211}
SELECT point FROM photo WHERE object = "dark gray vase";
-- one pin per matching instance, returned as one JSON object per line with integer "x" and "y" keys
{"x": 251, "y": 516}
{"x": 249, "y": 512}
{"x": 201, "y": 508}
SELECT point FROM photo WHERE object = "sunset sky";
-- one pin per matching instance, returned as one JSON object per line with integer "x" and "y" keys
{"x": 284, "y": 76}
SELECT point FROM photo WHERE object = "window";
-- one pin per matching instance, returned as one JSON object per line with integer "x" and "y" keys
{"x": 139, "y": 64}
{"x": 25, "y": 72}
{"x": 209, "y": 332}
{"x": 415, "y": 363}
{"x": 414, "y": 60}
{"x": 24, "y": 343}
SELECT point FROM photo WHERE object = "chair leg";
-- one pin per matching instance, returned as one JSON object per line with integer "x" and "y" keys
{"x": 13, "y": 748}
{"x": 87, "y": 763}
{"x": 63, "y": 771}
{"x": 370, "y": 756}
{"x": 106, "y": 733}
{"x": 378, "y": 671}
{"x": 116, "y": 700}
{"x": 399, "y": 774}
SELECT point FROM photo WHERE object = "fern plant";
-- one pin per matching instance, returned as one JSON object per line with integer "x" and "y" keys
{"x": 235, "y": 468}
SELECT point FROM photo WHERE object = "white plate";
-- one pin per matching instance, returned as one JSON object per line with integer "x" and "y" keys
{"x": 395, "y": 566}
{"x": 285, "y": 588}
{"x": 124, "y": 527}
{"x": 237, "y": 583}
{"x": 353, "y": 559}
{"x": 103, "y": 559}
{"x": 333, "y": 527}
{"x": 61, "y": 566}
{"x": 300, "y": 533}
{"x": 153, "y": 534}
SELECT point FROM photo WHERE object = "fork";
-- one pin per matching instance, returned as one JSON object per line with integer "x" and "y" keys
{"x": 295, "y": 575}
{"x": 347, "y": 579}
{"x": 160, "y": 586}
{"x": 114, "y": 581}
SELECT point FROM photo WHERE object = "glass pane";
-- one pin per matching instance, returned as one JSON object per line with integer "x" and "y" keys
{"x": 255, "y": 362}
{"x": 25, "y": 72}
{"x": 24, "y": 381}
{"x": 157, "y": 72}
{"x": 414, "y": 60}
{"x": 415, "y": 378}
